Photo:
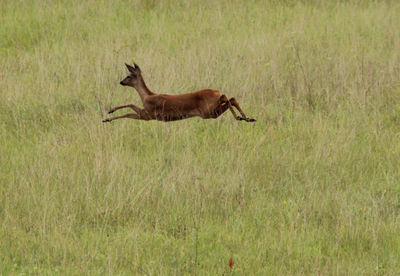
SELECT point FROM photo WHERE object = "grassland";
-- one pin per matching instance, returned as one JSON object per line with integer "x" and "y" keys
{"x": 312, "y": 188}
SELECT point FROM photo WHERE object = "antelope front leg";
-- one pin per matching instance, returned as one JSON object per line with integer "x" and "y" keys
{"x": 134, "y": 107}
{"x": 129, "y": 115}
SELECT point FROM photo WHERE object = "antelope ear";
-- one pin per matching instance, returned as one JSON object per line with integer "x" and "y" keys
{"x": 130, "y": 68}
{"x": 137, "y": 67}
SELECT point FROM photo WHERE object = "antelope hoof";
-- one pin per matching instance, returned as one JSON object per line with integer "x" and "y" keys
{"x": 111, "y": 111}
{"x": 106, "y": 120}
{"x": 247, "y": 119}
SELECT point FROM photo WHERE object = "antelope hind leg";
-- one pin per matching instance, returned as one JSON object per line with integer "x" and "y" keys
{"x": 224, "y": 100}
{"x": 244, "y": 117}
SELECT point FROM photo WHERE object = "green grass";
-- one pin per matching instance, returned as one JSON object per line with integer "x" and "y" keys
{"x": 311, "y": 188}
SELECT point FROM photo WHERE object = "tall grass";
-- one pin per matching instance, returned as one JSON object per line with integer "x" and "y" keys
{"x": 311, "y": 188}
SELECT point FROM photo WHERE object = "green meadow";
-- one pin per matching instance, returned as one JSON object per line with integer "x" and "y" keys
{"x": 311, "y": 188}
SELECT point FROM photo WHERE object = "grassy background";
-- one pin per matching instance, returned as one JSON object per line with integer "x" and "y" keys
{"x": 311, "y": 188}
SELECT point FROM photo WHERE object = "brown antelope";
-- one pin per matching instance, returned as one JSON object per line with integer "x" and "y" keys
{"x": 205, "y": 103}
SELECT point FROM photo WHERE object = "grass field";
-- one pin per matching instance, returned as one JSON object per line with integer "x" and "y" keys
{"x": 313, "y": 187}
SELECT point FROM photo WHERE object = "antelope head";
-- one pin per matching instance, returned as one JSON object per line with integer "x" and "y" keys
{"x": 134, "y": 76}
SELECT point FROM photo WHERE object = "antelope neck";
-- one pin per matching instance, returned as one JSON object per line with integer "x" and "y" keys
{"x": 143, "y": 91}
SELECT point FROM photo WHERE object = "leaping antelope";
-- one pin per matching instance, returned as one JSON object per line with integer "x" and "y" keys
{"x": 205, "y": 103}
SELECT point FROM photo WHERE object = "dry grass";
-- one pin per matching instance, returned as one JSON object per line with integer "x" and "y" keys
{"x": 311, "y": 188}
